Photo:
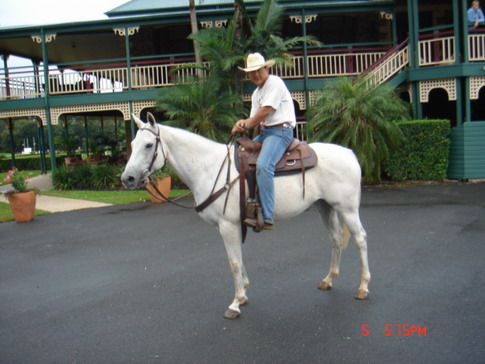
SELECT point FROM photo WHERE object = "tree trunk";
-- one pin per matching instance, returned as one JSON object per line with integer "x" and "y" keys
{"x": 239, "y": 79}
{"x": 195, "y": 29}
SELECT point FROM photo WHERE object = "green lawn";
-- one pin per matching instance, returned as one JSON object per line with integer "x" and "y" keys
{"x": 112, "y": 197}
{"x": 6, "y": 213}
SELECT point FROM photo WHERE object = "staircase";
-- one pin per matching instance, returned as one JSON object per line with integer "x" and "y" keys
{"x": 389, "y": 65}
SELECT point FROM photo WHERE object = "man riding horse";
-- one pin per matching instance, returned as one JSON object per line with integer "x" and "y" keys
{"x": 272, "y": 109}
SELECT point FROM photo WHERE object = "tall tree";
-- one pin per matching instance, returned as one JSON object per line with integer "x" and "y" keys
{"x": 190, "y": 105}
{"x": 225, "y": 48}
{"x": 361, "y": 118}
{"x": 195, "y": 29}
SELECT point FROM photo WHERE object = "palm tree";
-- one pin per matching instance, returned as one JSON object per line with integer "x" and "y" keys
{"x": 200, "y": 107}
{"x": 361, "y": 118}
{"x": 265, "y": 35}
{"x": 225, "y": 48}
{"x": 207, "y": 105}
{"x": 222, "y": 49}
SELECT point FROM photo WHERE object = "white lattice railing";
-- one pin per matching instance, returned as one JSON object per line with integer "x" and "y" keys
{"x": 330, "y": 65}
{"x": 297, "y": 71}
{"x": 437, "y": 51}
{"x": 19, "y": 88}
{"x": 392, "y": 65}
{"x": 102, "y": 80}
{"x": 97, "y": 81}
{"x": 476, "y": 47}
{"x": 341, "y": 64}
{"x": 105, "y": 80}
{"x": 431, "y": 52}
{"x": 300, "y": 130}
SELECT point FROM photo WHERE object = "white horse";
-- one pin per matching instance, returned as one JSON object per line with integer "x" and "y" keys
{"x": 333, "y": 186}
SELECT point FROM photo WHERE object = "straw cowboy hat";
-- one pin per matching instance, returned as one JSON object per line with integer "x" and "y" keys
{"x": 255, "y": 61}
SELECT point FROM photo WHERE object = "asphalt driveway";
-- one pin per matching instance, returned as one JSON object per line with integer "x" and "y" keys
{"x": 149, "y": 283}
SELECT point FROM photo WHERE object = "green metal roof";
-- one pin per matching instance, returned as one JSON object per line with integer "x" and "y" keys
{"x": 145, "y": 7}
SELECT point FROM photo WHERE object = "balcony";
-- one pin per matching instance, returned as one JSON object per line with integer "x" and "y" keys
{"x": 433, "y": 50}
{"x": 147, "y": 74}
{"x": 111, "y": 77}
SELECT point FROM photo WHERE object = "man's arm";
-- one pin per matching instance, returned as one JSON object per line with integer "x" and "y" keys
{"x": 481, "y": 18}
{"x": 252, "y": 121}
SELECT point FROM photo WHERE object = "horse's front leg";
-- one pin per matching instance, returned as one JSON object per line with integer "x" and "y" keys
{"x": 231, "y": 234}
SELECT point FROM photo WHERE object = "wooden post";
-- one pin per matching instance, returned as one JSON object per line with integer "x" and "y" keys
{"x": 12, "y": 140}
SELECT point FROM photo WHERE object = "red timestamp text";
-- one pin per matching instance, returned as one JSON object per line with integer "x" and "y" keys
{"x": 398, "y": 330}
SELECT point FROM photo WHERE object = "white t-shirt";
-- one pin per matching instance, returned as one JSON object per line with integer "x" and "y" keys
{"x": 275, "y": 94}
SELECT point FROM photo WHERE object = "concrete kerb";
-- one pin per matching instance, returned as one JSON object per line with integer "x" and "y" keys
{"x": 51, "y": 203}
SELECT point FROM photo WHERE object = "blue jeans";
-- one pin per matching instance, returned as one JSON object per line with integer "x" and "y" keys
{"x": 275, "y": 141}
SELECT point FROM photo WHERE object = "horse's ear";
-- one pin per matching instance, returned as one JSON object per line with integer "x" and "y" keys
{"x": 151, "y": 118}
{"x": 138, "y": 121}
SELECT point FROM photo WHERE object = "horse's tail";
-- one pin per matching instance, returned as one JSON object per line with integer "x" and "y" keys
{"x": 345, "y": 236}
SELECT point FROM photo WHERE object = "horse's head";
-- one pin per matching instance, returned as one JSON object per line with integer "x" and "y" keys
{"x": 147, "y": 154}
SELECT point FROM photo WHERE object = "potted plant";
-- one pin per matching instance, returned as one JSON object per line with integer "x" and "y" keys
{"x": 163, "y": 183}
{"x": 69, "y": 145}
{"x": 22, "y": 199}
{"x": 96, "y": 149}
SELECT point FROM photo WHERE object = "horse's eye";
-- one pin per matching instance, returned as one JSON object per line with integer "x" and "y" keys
{"x": 149, "y": 145}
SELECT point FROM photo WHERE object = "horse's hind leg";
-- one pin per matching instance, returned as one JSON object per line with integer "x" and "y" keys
{"x": 338, "y": 238}
{"x": 352, "y": 220}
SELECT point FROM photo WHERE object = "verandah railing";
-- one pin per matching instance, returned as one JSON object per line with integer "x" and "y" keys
{"x": 393, "y": 62}
{"x": 476, "y": 45}
{"x": 114, "y": 77}
{"x": 434, "y": 49}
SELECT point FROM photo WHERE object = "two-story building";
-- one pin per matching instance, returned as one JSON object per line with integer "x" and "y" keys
{"x": 425, "y": 48}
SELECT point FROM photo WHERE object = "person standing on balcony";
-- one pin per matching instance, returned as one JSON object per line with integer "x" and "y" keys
{"x": 273, "y": 110}
{"x": 475, "y": 14}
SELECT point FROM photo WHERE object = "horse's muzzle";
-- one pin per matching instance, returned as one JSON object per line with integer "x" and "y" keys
{"x": 129, "y": 182}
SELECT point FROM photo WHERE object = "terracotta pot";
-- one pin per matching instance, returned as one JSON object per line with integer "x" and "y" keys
{"x": 22, "y": 205}
{"x": 163, "y": 184}
{"x": 71, "y": 161}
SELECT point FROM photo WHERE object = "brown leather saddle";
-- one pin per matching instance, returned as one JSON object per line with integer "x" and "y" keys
{"x": 298, "y": 158}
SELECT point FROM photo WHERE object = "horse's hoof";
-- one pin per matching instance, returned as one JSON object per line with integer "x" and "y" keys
{"x": 231, "y": 314}
{"x": 361, "y": 294}
{"x": 325, "y": 286}
{"x": 244, "y": 301}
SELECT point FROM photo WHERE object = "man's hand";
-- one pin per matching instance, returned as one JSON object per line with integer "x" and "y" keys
{"x": 253, "y": 121}
{"x": 239, "y": 127}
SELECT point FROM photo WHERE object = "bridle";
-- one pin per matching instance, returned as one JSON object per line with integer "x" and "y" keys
{"x": 213, "y": 195}
{"x": 155, "y": 153}
{"x": 148, "y": 172}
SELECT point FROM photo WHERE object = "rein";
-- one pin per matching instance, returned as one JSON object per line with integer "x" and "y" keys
{"x": 213, "y": 195}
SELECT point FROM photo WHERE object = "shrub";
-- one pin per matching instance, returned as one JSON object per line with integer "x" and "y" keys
{"x": 62, "y": 178}
{"x": 85, "y": 177}
{"x": 27, "y": 162}
{"x": 424, "y": 156}
{"x": 104, "y": 177}
{"x": 361, "y": 118}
